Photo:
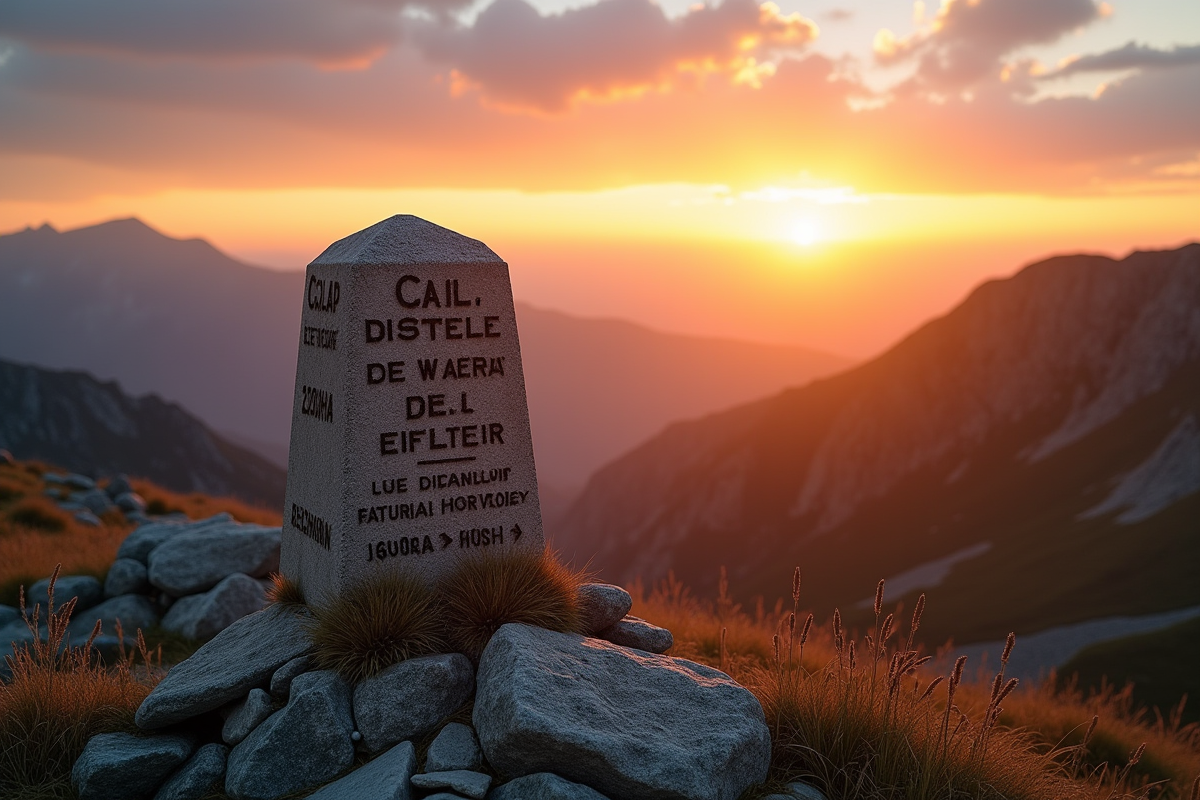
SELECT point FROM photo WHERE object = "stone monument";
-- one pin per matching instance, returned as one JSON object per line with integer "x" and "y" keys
{"x": 410, "y": 445}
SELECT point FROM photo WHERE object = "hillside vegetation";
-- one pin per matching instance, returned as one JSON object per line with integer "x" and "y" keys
{"x": 862, "y": 716}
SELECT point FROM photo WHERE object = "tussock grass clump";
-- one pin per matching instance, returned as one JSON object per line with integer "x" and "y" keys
{"x": 285, "y": 591}
{"x": 485, "y": 592}
{"x": 57, "y": 700}
{"x": 381, "y": 621}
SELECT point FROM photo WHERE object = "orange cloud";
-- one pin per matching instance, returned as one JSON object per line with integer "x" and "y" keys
{"x": 520, "y": 58}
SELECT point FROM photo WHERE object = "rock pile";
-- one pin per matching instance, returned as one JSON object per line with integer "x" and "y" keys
{"x": 555, "y": 716}
{"x": 80, "y": 494}
{"x": 192, "y": 578}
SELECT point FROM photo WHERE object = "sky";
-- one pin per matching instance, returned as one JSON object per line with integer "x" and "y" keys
{"x": 828, "y": 174}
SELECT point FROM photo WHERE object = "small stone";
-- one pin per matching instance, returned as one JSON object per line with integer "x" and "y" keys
{"x": 203, "y": 616}
{"x": 303, "y": 746}
{"x": 246, "y": 716}
{"x": 145, "y": 538}
{"x": 355, "y": 737}
{"x": 118, "y": 486}
{"x": 7, "y": 457}
{"x": 196, "y": 779}
{"x": 134, "y": 611}
{"x": 454, "y": 748}
{"x": 84, "y": 587}
{"x": 76, "y": 481}
{"x": 640, "y": 635}
{"x": 125, "y": 576}
{"x": 86, "y": 517}
{"x": 383, "y": 778}
{"x": 443, "y": 796}
{"x": 130, "y": 501}
{"x": 465, "y": 782}
{"x": 195, "y": 561}
{"x": 121, "y": 766}
{"x": 602, "y": 605}
{"x": 800, "y": 790}
{"x": 544, "y": 786}
{"x": 410, "y": 699}
{"x": 239, "y": 658}
{"x": 281, "y": 681}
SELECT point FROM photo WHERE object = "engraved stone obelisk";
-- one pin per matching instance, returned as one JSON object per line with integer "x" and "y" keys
{"x": 410, "y": 443}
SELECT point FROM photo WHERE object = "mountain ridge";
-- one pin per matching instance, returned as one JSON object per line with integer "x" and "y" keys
{"x": 1068, "y": 356}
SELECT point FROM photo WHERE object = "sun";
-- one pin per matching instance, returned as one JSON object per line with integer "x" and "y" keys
{"x": 805, "y": 232}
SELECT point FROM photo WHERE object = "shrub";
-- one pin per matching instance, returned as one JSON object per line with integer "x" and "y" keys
{"x": 484, "y": 592}
{"x": 381, "y": 621}
{"x": 57, "y": 700}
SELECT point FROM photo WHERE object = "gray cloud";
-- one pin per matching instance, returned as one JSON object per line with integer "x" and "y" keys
{"x": 328, "y": 31}
{"x": 968, "y": 39}
{"x": 518, "y": 56}
{"x": 1131, "y": 56}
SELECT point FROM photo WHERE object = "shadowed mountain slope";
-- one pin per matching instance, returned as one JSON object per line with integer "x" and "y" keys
{"x": 1040, "y": 442}
{"x": 72, "y": 420}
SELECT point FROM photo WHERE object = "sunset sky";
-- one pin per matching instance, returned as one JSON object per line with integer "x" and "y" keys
{"x": 821, "y": 173}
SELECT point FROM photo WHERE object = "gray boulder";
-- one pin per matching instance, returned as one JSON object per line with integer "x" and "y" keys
{"x": 302, "y": 746}
{"x": 544, "y": 786}
{"x": 197, "y": 560}
{"x": 245, "y": 716}
{"x": 86, "y": 517}
{"x": 8, "y": 615}
{"x": 77, "y": 481}
{"x": 130, "y": 502}
{"x": 125, "y": 576}
{"x": 85, "y": 587}
{"x": 602, "y": 605}
{"x": 121, "y": 766}
{"x": 384, "y": 778}
{"x": 95, "y": 501}
{"x": 281, "y": 681}
{"x": 455, "y": 747}
{"x": 198, "y": 777}
{"x": 411, "y": 699}
{"x": 465, "y": 782}
{"x": 629, "y": 724}
{"x": 118, "y": 486}
{"x": 133, "y": 610}
{"x": 203, "y": 616}
{"x": 142, "y": 541}
{"x": 639, "y": 634}
{"x": 239, "y": 658}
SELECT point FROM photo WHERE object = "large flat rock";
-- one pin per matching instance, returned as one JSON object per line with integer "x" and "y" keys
{"x": 628, "y": 724}
{"x": 145, "y": 538}
{"x": 121, "y": 766}
{"x": 387, "y": 777}
{"x": 197, "y": 560}
{"x": 411, "y": 699}
{"x": 238, "y": 659}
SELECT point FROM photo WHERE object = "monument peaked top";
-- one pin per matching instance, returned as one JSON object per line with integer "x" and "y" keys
{"x": 405, "y": 239}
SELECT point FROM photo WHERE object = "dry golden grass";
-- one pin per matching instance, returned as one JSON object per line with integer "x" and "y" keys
{"x": 381, "y": 621}
{"x": 57, "y": 700}
{"x": 198, "y": 506}
{"x": 285, "y": 591}
{"x": 485, "y": 592}
{"x": 843, "y": 720}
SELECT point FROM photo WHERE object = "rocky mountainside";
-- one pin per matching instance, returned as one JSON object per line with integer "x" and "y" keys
{"x": 75, "y": 421}
{"x": 1032, "y": 458}
{"x": 183, "y": 320}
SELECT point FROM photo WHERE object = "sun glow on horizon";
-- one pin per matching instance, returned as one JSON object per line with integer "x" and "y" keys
{"x": 805, "y": 232}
